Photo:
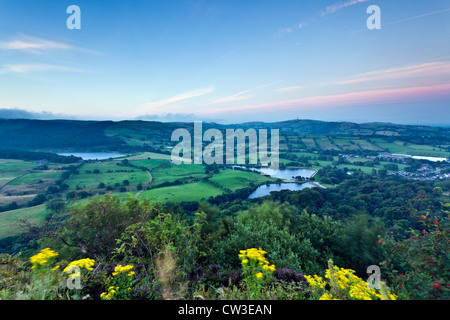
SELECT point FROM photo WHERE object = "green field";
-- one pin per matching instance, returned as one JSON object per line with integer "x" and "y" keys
{"x": 12, "y": 169}
{"x": 151, "y": 155}
{"x": 109, "y": 173}
{"x": 345, "y": 144}
{"x": 168, "y": 172}
{"x": 9, "y": 220}
{"x": 185, "y": 192}
{"x": 400, "y": 147}
{"x": 326, "y": 144}
{"x": 35, "y": 177}
{"x": 235, "y": 179}
{"x": 166, "y": 181}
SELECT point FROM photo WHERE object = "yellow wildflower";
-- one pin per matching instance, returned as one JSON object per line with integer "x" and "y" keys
{"x": 327, "y": 296}
{"x": 42, "y": 257}
{"x": 82, "y": 263}
{"x": 122, "y": 269}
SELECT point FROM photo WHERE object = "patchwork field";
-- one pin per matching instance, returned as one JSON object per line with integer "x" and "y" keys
{"x": 152, "y": 175}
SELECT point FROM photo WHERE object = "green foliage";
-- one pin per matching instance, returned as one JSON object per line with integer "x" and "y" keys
{"x": 142, "y": 242}
{"x": 419, "y": 265}
{"x": 286, "y": 250}
{"x": 358, "y": 243}
{"x": 95, "y": 226}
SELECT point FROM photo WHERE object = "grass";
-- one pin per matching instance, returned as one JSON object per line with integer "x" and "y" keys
{"x": 9, "y": 220}
{"x": 366, "y": 145}
{"x": 326, "y": 144}
{"x": 169, "y": 172}
{"x": 236, "y": 179}
{"x": 12, "y": 169}
{"x": 345, "y": 144}
{"x": 400, "y": 147}
{"x": 151, "y": 155}
{"x": 310, "y": 143}
{"x": 36, "y": 176}
{"x": 184, "y": 192}
{"x": 109, "y": 174}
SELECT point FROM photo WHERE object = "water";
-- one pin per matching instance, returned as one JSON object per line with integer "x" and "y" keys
{"x": 285, "y": 174}
{"x": 265, "y": 190}
{"x": 434, "y": 159}
{"x": 288, "y": 174}
{"x": 93, "y": 155}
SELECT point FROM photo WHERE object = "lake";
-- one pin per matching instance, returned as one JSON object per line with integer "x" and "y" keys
{"x": 265, "y": 190}
{"x": 433, "y": 159}
{"x": 285, "y": 174}
{"x": 93, "y": 155}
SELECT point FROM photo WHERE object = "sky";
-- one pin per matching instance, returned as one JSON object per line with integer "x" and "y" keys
{"x": 227, "y": 61}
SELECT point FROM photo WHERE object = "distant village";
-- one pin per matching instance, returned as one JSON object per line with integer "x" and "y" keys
{"x": 425, "y": 171}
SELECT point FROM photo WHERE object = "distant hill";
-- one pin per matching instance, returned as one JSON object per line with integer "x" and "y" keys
{"x": 125, "y": 135}
{"x": 348, "y": 128}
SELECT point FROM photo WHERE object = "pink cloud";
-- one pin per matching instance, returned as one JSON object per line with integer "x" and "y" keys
{"x": 432, "y": 69}
{"x": 347, "y": 99}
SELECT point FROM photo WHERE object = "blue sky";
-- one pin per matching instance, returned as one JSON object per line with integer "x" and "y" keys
{"x": 228, "y": 61}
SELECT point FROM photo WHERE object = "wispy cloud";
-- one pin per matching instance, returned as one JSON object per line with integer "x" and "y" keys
{"x": 35, "y": 45}
{"x": 339, "y": 6}
{"x": 241, "y": 95}
{"x": 432, "y": 69}
{"x": 357, "y": 98}
{"x": 291, "y": 29}
{"x": 151, "y": 107}
{"x": 417, "y": 17}
{"x": 290, "y": 89}
{"x": 29, "y": 68}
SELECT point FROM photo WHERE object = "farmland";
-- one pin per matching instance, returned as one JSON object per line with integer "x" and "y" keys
{"x": 147, "y": 171}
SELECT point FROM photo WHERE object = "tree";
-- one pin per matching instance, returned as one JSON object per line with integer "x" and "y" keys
{"x": 37, "y": 200}
{"x": 418, "y": 265}
{"x": 56, "y": 205}
{"x": 96, "y": 225}
{"x": 285, "y": 249}
{"x": 358, "y": 245}
{"x": 438, "y": 191}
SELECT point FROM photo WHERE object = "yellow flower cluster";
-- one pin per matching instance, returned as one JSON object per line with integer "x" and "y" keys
{"x": 42, "y": 257}
{"x": 344, "y": 285}
{"x": 82, "y": 263}
{"x": 110, "y": 294}
{"x": 347, "y": 281}
{"x": 123, "y": 269}
{"x": 316, "y": 281}
{"x": 256, "y": 255}
{"x": 327, "y": 296}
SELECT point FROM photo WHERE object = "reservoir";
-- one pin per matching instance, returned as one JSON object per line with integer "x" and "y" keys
{"x": 433, "y": 159}
{"x": 93, "y": 155}
{"x": 265, "y": 190}
{"x": 285, "y": 174}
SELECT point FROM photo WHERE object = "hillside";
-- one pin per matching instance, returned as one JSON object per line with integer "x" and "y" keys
{"x": 42, "y": 135}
